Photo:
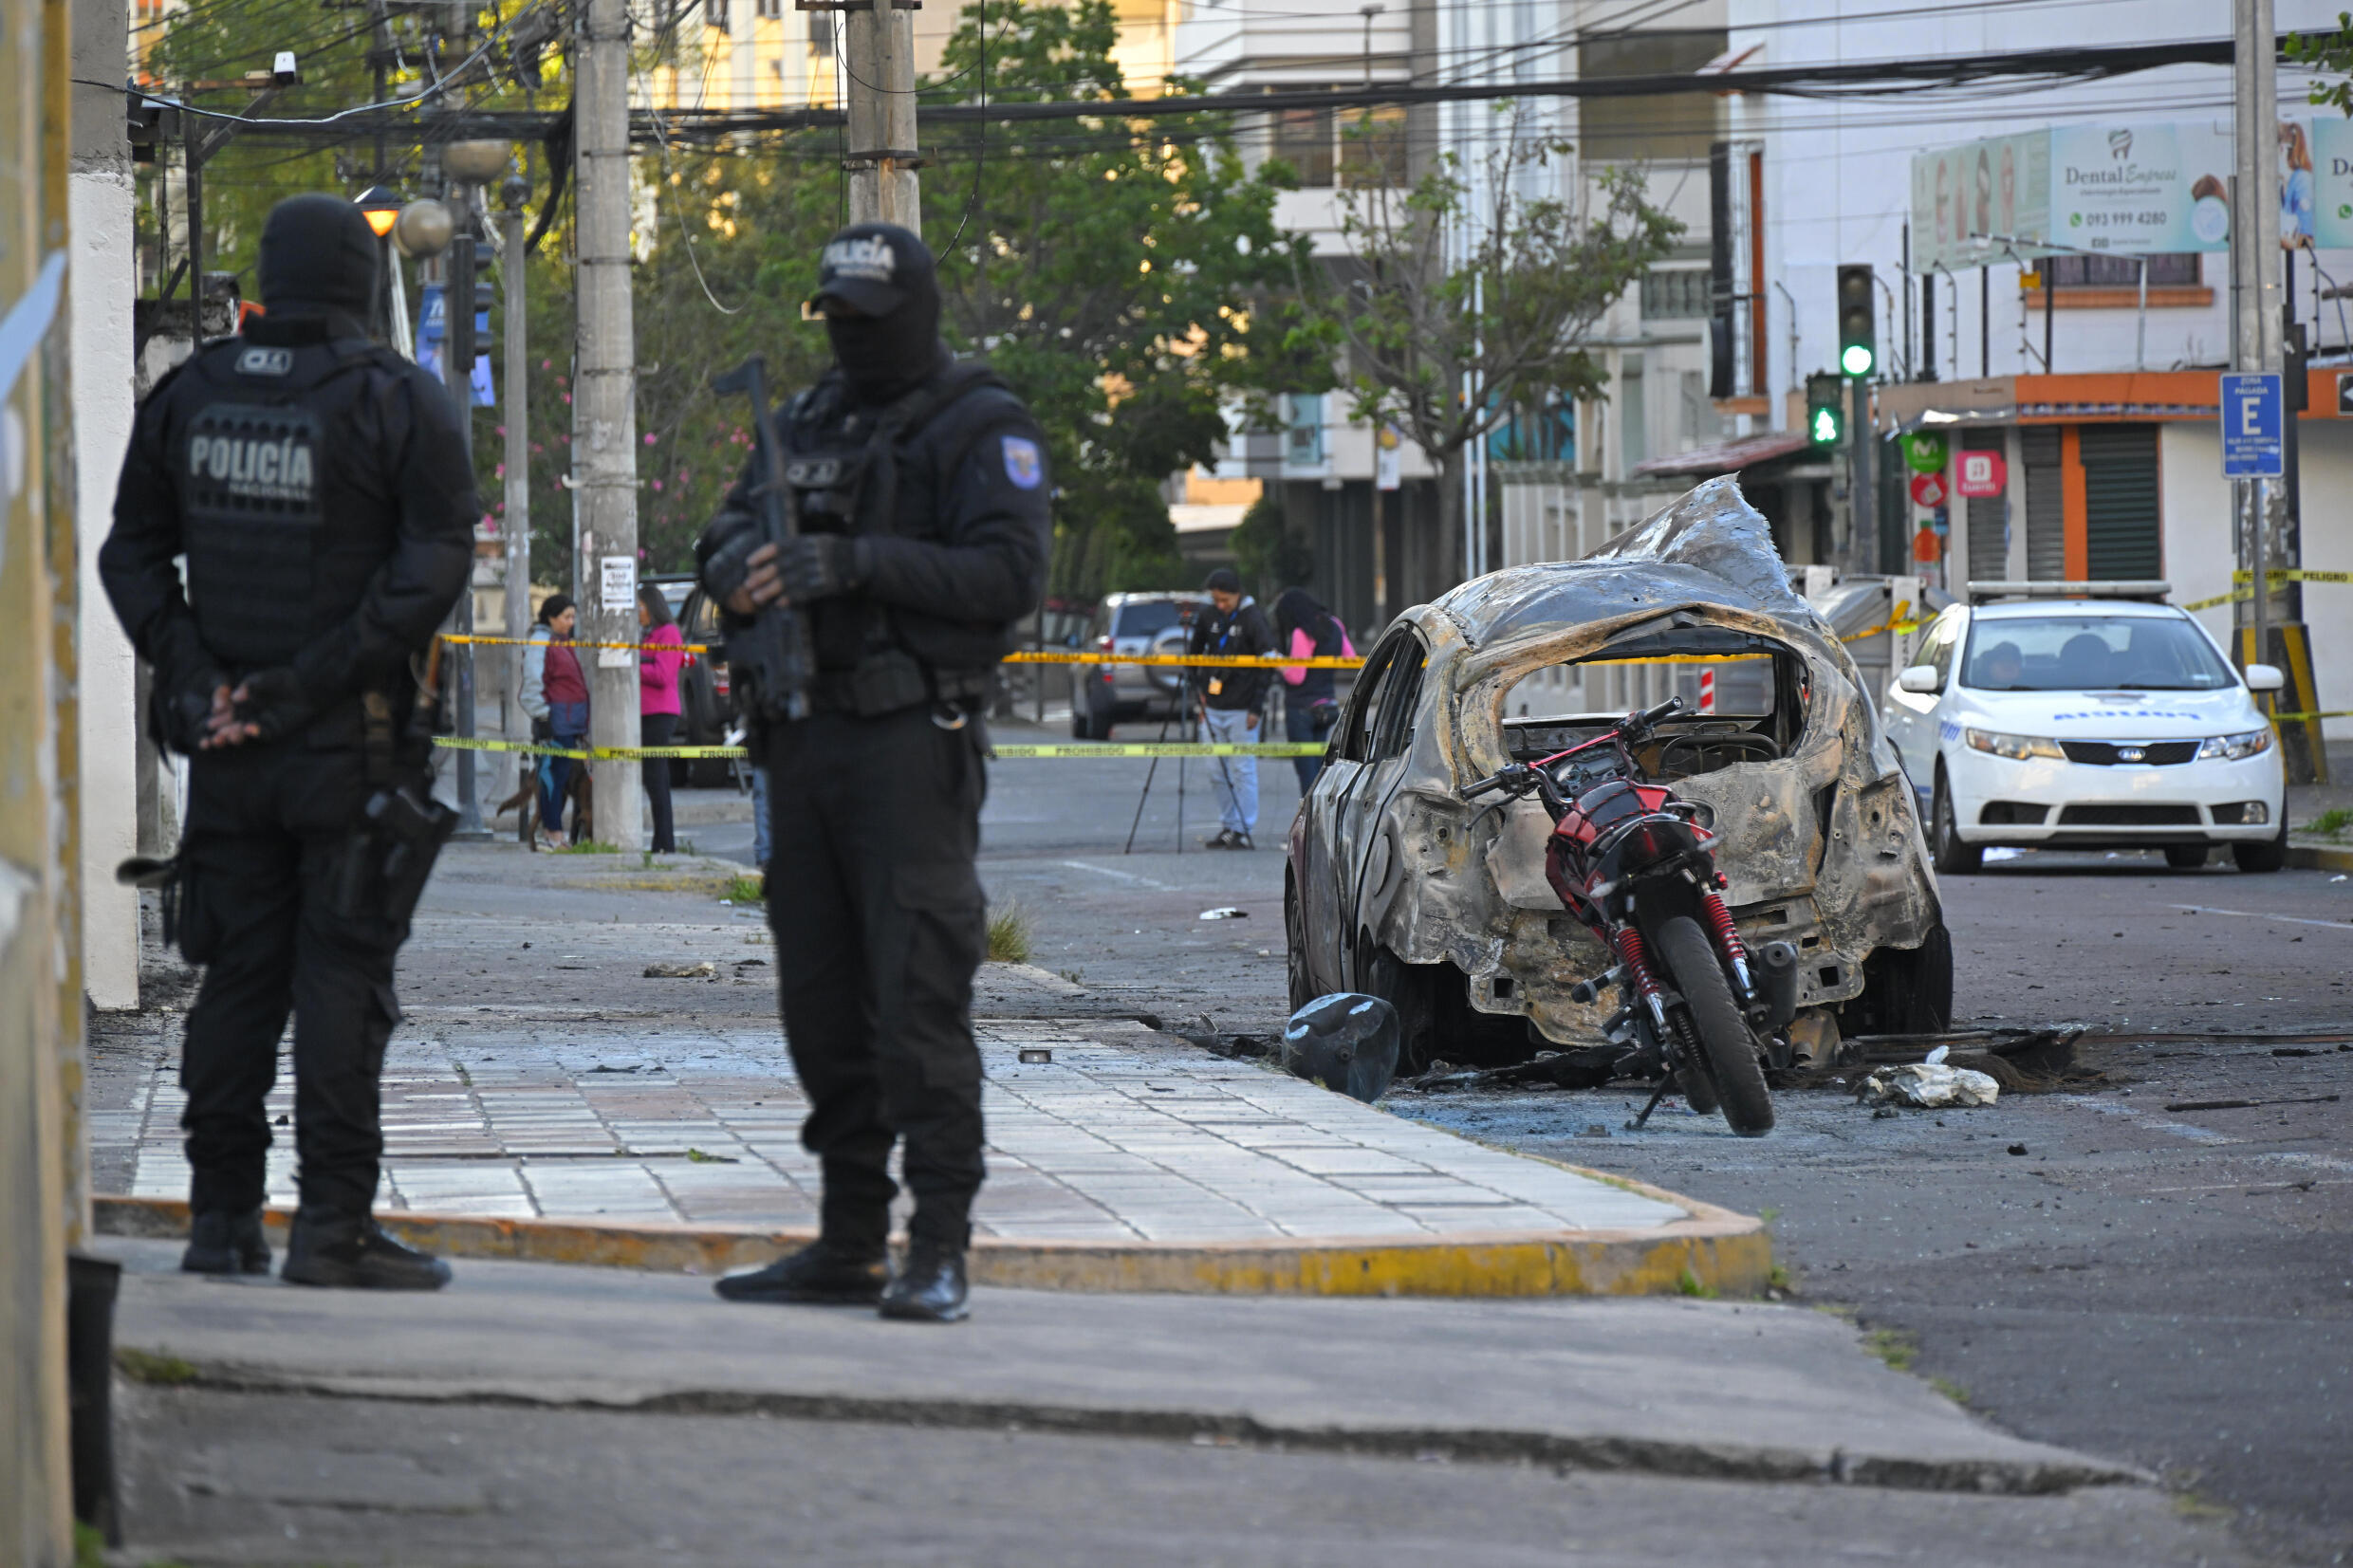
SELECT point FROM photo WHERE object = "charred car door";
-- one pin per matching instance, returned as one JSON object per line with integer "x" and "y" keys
{"x": 1328, "y": 896}
{"x": 1365, "y": 852}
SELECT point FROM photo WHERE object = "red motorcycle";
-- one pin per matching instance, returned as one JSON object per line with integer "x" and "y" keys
{"x": 1637, "y": 865}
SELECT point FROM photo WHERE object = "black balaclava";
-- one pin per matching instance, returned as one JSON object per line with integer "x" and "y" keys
{"x": 886, "y": 275}
{"x": 318, "y": 255}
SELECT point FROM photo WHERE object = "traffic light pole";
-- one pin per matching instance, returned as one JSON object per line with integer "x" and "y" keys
{"x": 1862, "y": 494}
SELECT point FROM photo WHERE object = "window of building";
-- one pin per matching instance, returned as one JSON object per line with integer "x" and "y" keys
{"x": 1306, "y": 139}
{"x": 820, "y": 33}
{"x": 714, "y": 15}
{"x": 1372, "y": 148}
{"x": 768, "y": 10}
{"x": 2169, "y": 270}
{"x": 1303, "y": 441}
{"x": 1661, "y": 128}
{"x": 1675, "y": 293}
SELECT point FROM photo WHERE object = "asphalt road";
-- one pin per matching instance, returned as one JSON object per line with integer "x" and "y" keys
{"x": 2174, "y": 1289}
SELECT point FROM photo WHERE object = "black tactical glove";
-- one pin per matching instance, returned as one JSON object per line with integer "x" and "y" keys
{"x": 723, "y": 555}
{"x": 182, "y": 715}
{"x": 274, "y": 703}
{"x": 824, "y": 566}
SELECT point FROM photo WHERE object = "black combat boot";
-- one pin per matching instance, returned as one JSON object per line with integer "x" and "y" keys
{"x": 351, "y": 1251}
{"x": 824, "y": 1273}
{"x": 930, "y": 1288}
{"x": 221, "y": 1241}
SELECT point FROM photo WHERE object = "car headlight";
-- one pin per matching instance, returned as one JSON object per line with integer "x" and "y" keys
{"x": 2018, "y": 747}
{"x": 2254, "y": 743}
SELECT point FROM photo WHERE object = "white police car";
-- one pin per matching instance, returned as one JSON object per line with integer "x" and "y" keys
{"x": 2104, "y": 721}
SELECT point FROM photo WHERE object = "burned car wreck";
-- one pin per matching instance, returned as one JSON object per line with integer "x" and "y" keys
{"x": 1399, "y": 887}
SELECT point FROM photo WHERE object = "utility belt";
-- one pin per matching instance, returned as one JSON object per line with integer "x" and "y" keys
{"x": 891, "y": 680}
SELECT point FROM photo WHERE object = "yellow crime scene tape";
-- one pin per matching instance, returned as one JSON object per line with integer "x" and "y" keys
{"x": 1027, "y": 655}
{"x": 1098, "y": 750}
{"x": 2243, "y": 585}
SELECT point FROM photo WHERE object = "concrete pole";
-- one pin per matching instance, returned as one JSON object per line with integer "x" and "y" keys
{"x": 100, "y": 210}
{"x": 879, "y": 53}
{"x": 457, "y": 353}
{"x": 516, "y": 526}
{"x": 604, "y": 424}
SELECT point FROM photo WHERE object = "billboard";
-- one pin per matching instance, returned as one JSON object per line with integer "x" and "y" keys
{"x": 2127, "y": 190}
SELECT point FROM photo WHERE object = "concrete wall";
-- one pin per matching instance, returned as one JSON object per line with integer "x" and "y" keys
{"x": 2198, "y": 546}
{"x": 102, "y": 204}
{"x": 39, "y": 1166}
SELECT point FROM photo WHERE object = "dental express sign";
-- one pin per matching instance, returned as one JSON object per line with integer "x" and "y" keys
{"x": 2128, "y": 190}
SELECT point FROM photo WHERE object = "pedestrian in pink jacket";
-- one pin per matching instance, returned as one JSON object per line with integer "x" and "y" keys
{"x": 658, "y": 663}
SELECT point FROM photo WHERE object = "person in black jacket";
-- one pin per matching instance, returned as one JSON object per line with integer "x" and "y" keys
{"x": 318, "y": 489}
{"x": 1232, "y": 701}
{"x": 922, "y": 494}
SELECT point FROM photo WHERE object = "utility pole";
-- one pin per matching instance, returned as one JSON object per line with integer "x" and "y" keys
{"x": 604, "y": 422}
{"x": 878, "y": 59}
{"x": 516, "y": 525}
{"x": 2270, "y": 622}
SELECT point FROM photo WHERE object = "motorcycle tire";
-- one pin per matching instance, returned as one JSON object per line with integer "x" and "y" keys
{"x": 1691, "y": 958}
{"x": 1692, "y": 1081}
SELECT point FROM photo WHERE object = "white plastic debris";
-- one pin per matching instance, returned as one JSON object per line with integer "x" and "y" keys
{"x": 1226, "y": 913}
{"x": 1930, "y": 1086}
{"x": 1938, "y": 1056}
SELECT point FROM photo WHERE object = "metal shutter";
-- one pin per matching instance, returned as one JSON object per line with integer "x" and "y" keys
{"x": 2120, "y": 502}
{"x": 2046, "y": 504}
{"x": 1987, "y": 517}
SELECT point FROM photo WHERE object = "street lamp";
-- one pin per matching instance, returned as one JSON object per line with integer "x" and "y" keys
{"x": 381, "y": 207}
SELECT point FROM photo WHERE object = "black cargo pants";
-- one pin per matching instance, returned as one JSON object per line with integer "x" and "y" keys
{"x": 877, "y": 909}
{"x": 268, "y": 827}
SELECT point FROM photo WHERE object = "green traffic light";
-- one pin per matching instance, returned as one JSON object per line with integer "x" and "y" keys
{"x": 1825, "y": 427}
{"x": 1856, "y": 361}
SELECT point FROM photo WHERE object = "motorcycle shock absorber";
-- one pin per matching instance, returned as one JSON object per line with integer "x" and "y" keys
{"x": 1634, "y": 954}
{"x": 1720, "y": 916}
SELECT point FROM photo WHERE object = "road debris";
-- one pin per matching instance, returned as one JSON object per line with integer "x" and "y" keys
{"x": 1344, "y": 1041}
{"x": 1930, "y": 1087}
{"x": 704, "y": 970}
{"x": 1228, "y": 912}
{"x": 2247, "y": 1104}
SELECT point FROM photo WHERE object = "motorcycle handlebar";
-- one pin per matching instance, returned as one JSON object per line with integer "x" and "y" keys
{"x": 1672, "y": 705}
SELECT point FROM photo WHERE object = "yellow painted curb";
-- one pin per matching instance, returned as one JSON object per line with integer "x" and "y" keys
{"x": 1714, "y": 1251}
{"x": 2319, "y": 856}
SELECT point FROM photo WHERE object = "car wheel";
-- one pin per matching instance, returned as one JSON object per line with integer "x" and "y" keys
{"x": 2185, "y": 857}
{"x": 2268, "y": 855}
{"x": 1303, "y": 987}
{"x": 1408, "y": 987}
{"x": 1954, "y": 858}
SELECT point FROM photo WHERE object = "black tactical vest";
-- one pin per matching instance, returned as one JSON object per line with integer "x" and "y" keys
{"x": 287, "y": 510}
{"x": 881, "y": 471}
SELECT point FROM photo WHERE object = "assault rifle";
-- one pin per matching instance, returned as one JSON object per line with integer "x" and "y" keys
{"x": 772, "y": 661}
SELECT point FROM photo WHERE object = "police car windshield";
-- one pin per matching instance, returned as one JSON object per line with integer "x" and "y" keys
{"x": 2091, "y": 654}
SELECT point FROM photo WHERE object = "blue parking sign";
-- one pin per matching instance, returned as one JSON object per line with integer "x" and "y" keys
{"x": 2250, "y": 427}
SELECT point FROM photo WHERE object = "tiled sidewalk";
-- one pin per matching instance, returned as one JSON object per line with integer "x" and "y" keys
{"x": 1122, "y": 1136}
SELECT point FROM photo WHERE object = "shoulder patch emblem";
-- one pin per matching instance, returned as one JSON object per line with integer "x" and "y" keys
{"x": 266, "y": 361}
{"x": 1023, "y": 465}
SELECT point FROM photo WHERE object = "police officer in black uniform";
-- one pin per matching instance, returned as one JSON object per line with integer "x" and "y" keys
{"x": 922, "y": 494}
{"x": 319, "y": 489}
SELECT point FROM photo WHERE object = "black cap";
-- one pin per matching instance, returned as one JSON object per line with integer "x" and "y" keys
{"x": 873, "y": 268}
{"x": 317, "y": 250}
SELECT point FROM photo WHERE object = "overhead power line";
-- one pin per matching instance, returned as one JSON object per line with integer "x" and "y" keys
{"x": 1849, "y": 79}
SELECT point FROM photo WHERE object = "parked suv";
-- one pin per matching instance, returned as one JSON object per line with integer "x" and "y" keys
{"x": 1104, "y": 694}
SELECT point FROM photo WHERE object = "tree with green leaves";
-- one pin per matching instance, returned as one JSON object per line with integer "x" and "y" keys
{"x": 1465, "y": 298}
{"x": 1125, "y": 275}
{"x": 2328, "y": 54}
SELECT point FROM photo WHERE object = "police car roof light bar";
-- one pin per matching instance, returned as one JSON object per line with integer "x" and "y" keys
{"x": 2143, "y": 588}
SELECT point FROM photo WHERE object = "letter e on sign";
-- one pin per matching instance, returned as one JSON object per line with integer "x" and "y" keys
{"x": 1980, "y": 473}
